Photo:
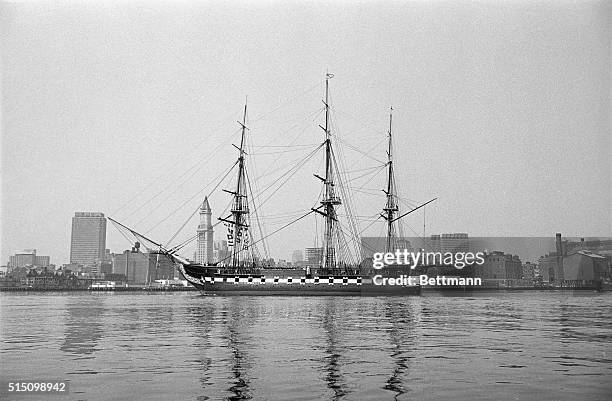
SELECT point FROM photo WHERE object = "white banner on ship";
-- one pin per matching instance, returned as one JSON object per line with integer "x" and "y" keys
{"x": 238, "y": 238}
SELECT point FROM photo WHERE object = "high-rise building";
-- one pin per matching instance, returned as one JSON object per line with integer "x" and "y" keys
{"x": 88, "y": 240}
{"x": 221, "y": 252}
{"x": 204, "y": 250}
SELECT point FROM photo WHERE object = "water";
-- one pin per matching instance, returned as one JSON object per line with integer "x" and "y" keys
{"x": 182, "y": 346}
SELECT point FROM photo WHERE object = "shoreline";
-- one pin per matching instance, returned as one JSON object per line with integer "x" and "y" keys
{"x": 424, "y": 289}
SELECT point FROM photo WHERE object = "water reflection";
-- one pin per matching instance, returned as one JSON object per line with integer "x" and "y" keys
{"x": 402, "y": 338}
{"x": 238, "y": 319}
{"x": 84, "y": 326}
{"x": 565, "y": 322}
{"x": 333, "y": 378}
{"x": 201, "y": 318}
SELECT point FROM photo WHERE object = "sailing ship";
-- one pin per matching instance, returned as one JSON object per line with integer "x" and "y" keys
{"x": 243, "y": 274}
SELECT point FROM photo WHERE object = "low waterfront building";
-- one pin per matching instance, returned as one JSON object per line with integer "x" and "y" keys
{"x": 118, "y": 279}
{"x": 583, "y": 268}
{"x": 97, "y": 269}
{"x": 576, "y": 263}
{"x": 529, "y": 271}
{"x": 90, "y": 270}
{"x": 502, "y": 269}
{"x": 143, "y": 268}
{"x": 28, "y": 257}
{"x": 106, "y": 267}
{"x": 49, "y": 279}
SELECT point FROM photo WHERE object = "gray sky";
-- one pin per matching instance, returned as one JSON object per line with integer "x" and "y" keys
{"x": 502, "y": 111}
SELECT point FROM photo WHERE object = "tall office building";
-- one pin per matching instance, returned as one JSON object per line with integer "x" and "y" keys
{"x": 88, "y": 240}
{"x": 221, "y": 252}
{"x": 204, "y": 252}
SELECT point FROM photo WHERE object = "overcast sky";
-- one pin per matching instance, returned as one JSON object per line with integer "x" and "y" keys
{"x": 502, "y": 111}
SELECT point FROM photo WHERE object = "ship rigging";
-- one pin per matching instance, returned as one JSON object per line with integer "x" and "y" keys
{"x": 338, "y": 263}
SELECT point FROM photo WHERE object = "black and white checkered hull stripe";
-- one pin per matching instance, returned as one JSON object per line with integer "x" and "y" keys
{"x": 281, "y": 280}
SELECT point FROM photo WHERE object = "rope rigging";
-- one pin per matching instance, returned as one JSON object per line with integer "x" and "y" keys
{"x": 253, "y": 192}
{"x": 198, "y": 207}
{"x": 187, "y": 201}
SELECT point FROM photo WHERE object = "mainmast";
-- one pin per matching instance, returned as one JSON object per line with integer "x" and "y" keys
{"x": 331, "y": 200}
{"x": 391, "y": 207}
{"x": 240, "y": 208}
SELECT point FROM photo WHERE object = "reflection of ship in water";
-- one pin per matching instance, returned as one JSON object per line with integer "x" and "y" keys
{"x": 401, "y": 346}
{"x": 403, "y": 339}
{"x": 234, "y": 319}
{"x": 240, "y": 389}
{"x": 200, "y": 318}
{"x": 84, "y": 326}
{"x": 333, "y": 376}
{"x": 237, "y": 318}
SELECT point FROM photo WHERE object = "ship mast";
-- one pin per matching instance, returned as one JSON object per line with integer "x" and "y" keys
{"x": 240, "y": 207}
{"x": 331, "y": 200}
{"x": 391, "y": 207}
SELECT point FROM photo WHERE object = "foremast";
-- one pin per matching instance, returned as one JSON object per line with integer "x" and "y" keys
{"x": 330, "y": 199}
{"x": 237, "y": 221}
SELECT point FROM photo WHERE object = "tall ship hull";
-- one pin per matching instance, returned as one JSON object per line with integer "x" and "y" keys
{"x": 213, "y": 281}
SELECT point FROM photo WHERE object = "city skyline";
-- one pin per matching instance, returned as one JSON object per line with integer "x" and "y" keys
{"x": 507, "y": 123}
{"x": 529, "y": 249}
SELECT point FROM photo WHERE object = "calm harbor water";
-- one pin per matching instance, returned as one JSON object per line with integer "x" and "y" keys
{"x": 183, "y": 346}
